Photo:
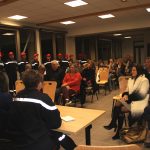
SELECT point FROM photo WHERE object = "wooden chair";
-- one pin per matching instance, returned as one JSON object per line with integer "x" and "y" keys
{"x": 19, "y": 85}
{"x": 123, "y": 81}
{"x": 121, "y": 147}
{"x": 49, "y": 87}
{"x": 102, "y": 77}
{"x": 90, "y": 92}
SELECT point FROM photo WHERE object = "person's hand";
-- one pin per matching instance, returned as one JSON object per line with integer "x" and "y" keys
{"x": 65, "y": 84}
{"x": 124, "y": 98}
{"x": 84, "y": 79}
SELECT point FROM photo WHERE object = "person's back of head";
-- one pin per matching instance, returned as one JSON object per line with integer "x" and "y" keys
{"x": 32, "y": 79}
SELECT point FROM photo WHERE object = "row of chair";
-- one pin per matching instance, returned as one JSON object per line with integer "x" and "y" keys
{"x": 49, "y": 87}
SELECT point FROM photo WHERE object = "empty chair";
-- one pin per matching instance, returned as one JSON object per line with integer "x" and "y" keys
{"x": 102, "y": 77}
{"x": 19, "y": 85}
{"x": 49, "y": 87}
{"x": 122, "y": 147}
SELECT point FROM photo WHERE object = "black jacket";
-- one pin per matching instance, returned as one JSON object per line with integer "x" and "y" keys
{"x": 32, "y": 116}
{"x": 21, "y": 66}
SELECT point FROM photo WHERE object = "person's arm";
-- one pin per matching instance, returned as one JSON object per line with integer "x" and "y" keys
{"x": 141, "y": 93}
{"x": 75, "y": 81}
{"x": 51, "y": 114}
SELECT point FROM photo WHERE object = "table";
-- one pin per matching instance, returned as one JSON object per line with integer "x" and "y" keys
{"x": 83, "y": 120}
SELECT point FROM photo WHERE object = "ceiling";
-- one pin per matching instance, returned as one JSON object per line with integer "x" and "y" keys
{"x": 48, "y": 13}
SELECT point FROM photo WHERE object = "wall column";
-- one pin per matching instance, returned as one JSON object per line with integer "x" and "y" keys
{"x": 18, "y": 45}
{"x": 70, "y": 46}
{"x": 38, "y": 44}
{"x": 54, "y": 45}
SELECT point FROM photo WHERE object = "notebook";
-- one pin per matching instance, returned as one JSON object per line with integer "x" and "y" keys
{"x": 67, "y": 118}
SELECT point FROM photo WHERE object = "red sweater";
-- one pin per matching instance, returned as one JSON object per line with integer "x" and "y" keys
{"x": 73, "y": 81}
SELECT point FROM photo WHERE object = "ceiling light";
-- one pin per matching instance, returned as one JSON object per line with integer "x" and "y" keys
{"x": 148, "y": 9}
{"x": 117, "y": 34}
{"x": 106, "y": 16}
{"x": 123, "y": 0}
{"x": 76, "y": 3}
{"x": 17, "y": 17}
{"x": 127, "y": 37}
{"x": 8, "y": 34}
{"x": 67, "y": 22}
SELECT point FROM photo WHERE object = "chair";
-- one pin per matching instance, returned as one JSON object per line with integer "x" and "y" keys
{"x": 49, "y": 87}
{"x": 102, "y": 77}
{"x": 123, "y": 81}
{"x": 89, "y": 91}
{"x": 19, "y": 85}
{"x": 121, "y": 147}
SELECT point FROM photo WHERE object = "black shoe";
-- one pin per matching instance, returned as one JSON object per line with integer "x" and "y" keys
{"x": 116, "y": 136}
{"x": 109, "y": 127}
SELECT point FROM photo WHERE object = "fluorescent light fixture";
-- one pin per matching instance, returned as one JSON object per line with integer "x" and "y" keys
{"x": 106, "y": 16}
{"x": 8, "y": 23}
{"x": 148, "y": 9}
{"x": 17, "y": 17}
{"x": 67, "y": 22}
{"x": 76, "y": 3}
{"x": 117, "y": 34}
{"x": 8, "y": 34}
{"x": 127, "y": 37}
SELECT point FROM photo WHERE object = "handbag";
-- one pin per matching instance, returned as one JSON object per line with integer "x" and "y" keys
{"x": 133, "y": 135}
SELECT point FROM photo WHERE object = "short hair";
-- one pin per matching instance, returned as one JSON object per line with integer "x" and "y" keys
{"x": 3, "y": 83}
{"x": 28, "y": 66}
{"x": 31, "y": 79}
{"x": 41, "y": 68}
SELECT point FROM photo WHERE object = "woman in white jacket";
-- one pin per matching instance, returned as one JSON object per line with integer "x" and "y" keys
{"x": 133, "y": 100}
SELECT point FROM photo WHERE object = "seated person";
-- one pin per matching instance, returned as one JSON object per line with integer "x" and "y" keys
{"x": 71, "y": 83}
{"x": 33, "y": 115}
{"x": 56, "y": 74}
{"x": 133, "y": 100}
{"x": 88, "y": 80}
{"x": 42, "y": 71}
{"x": 5, "y": 102}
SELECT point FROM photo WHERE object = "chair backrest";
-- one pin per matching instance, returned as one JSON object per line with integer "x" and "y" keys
{"x": 49, "y": 87}
{"x": 121, "y": 147}
{"x": 103, "y": 73}
{"x": 123, "y": 81}
{"x": 19, "y": 85}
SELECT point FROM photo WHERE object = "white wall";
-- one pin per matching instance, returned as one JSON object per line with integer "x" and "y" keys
{"x": 127, "y": 47}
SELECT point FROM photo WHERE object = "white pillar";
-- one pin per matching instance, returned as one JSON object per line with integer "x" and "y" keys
{"x": 18, "y": 44}
{"x": 38, "y": 44}
{"x": 70, "y": 46}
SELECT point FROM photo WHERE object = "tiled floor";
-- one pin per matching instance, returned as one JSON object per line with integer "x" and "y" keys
{"x": 100, "y": 136}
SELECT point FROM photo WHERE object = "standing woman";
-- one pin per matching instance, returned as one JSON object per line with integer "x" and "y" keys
{"x": 133, "y": 100}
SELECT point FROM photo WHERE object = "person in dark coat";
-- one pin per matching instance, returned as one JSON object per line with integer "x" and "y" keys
{"x": 35, "y": 62}
{"x": 56, "y": 74}
{"x": 22, "y": 63}
{"x": 47, "y": 64}
{"x": 5, "y": 102}
{"x": 1, "y": 62}
{"x": 32, "y": 117}
{"x": 11, "y": 70}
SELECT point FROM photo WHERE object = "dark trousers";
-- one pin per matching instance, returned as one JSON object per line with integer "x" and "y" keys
{"x": 62, "y": 139}
{"x": 146, "y": 115}
{"x": 12, "y": 80}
